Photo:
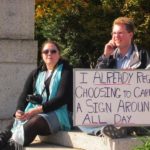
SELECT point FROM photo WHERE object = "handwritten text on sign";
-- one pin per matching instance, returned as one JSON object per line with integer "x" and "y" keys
{"x": 111, "y": 97}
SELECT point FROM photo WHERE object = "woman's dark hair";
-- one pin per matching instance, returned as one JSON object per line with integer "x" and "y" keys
{"x": 50, "y": 42}
{"x": 42, "y": 65}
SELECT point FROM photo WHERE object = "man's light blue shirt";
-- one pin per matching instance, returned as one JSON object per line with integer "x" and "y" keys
{"x": 122, "y": 62}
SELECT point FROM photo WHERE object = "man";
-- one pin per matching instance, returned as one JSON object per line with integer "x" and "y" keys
{"x": 120, "y": 53}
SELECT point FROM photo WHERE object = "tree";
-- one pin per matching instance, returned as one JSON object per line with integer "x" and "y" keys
{"x": 139, "y": 10}
{"x": 82, "y": 27}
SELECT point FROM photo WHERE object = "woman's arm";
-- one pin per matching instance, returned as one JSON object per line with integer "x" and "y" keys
{"x": 27, "y": 89}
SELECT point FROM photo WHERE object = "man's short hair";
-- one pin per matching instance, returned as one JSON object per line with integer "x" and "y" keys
{"x": 128, "y": 22}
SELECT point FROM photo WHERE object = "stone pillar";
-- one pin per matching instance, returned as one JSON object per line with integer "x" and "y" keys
{"x": 18, "y": 52}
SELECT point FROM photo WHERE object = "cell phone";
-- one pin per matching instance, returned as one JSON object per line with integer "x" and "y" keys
{"x": 114, "y": 44}
{"x": 114, "y": 47}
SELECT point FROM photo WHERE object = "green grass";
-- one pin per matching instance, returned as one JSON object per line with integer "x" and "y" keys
{"x": 146, "y": 144}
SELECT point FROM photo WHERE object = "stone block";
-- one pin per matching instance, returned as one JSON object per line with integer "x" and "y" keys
{"x": 18, "y": 51}
{"x": 38, "y": 145}
{"x": 17, "y": 19}
{"x": 18, "y": 59}
{"x": 12, "y": 80}
{"x": 45, "y": 146}
{"x": 5, "y": 122}
{"x": 81, "y": 140}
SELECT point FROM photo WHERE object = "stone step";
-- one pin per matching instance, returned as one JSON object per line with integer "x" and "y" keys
{"x": 37, "y": 145}
{"x": 43, "y": 146}
{"x": 81, "y": 140}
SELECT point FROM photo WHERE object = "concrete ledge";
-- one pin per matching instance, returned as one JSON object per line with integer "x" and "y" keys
{"x": 87, "y": 142}
{"x": 37, "y": 145}
{"x": 43, "y": 146}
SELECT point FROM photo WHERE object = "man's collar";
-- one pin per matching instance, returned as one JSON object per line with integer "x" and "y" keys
{"x": 127, "y": 55}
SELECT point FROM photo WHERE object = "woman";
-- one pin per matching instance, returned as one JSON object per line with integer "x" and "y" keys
{"x": 44, "y": 105}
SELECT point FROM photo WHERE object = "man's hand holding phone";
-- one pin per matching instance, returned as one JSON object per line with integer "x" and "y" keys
{"x": 109, "y": 48}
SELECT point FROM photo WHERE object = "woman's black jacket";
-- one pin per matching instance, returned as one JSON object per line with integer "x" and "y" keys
{"x": 64, "y": 94}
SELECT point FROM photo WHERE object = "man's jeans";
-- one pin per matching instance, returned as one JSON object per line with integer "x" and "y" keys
{"x": 92, "y": 130}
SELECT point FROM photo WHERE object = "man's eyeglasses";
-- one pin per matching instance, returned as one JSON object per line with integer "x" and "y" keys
{"x": 119, "y": 33}
{"x": 51, "y": 51}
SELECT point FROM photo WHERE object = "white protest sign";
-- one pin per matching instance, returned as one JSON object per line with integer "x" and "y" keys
{"x": 119, "y": 97}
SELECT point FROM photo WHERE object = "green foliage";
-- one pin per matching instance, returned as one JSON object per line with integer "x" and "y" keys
{"x": 82, "y": 27}
{"x": 139, "y": 10}
{"x": 146, "y": 144}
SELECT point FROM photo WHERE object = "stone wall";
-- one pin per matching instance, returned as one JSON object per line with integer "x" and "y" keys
{"x": 18, "y": 52}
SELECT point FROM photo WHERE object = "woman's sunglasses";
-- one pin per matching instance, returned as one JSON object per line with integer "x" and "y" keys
{"x": 51, "y": 51}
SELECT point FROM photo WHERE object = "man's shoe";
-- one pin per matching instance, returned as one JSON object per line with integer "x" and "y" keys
{"x": 113, "y": 132}
{"x": 141, "y": 131}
